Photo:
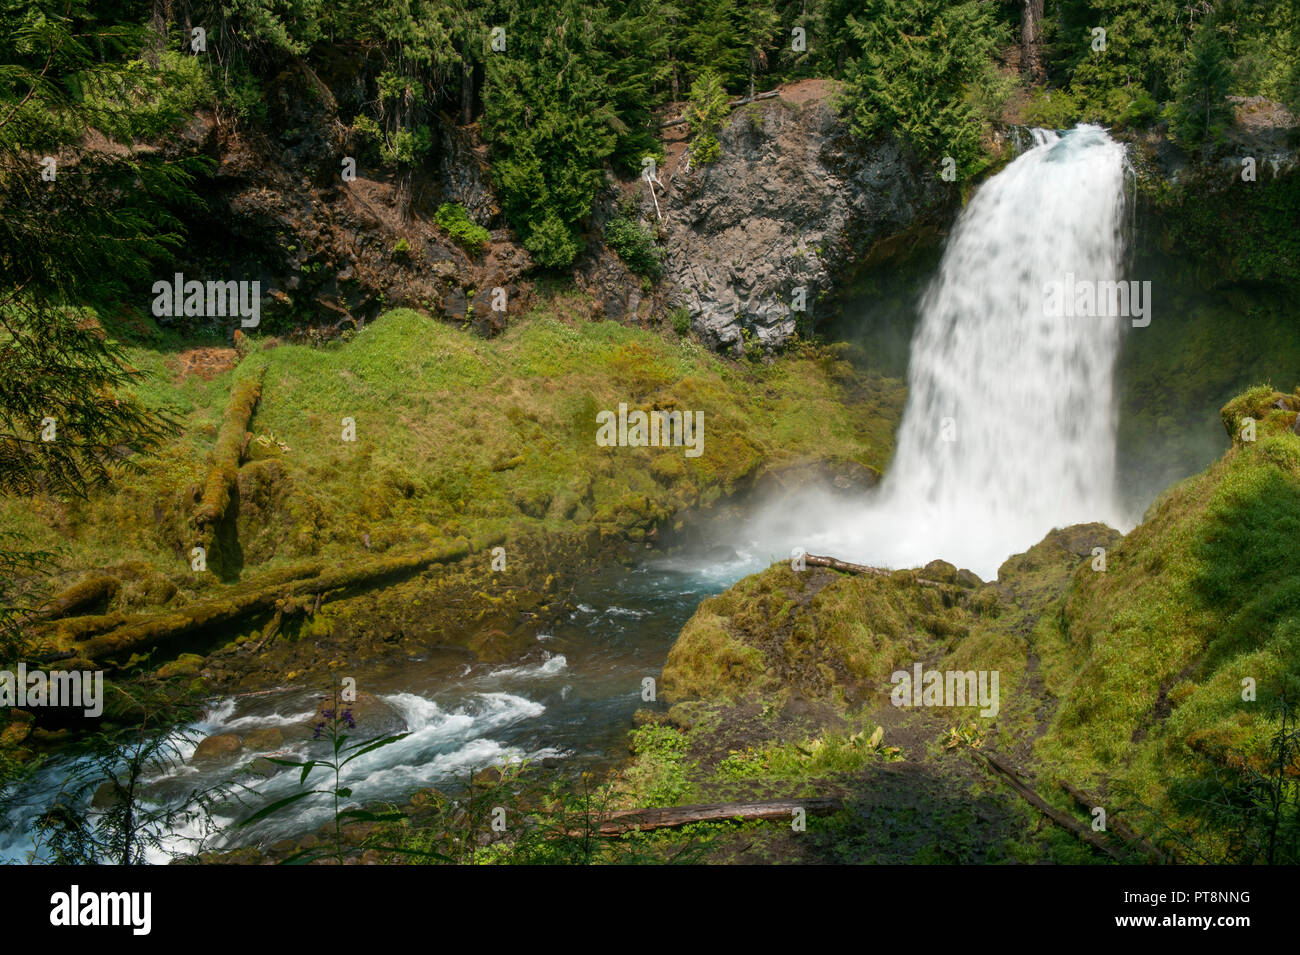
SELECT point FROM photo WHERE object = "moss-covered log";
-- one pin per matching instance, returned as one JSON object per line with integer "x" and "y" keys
{"x": 95, "y": 589}
{"x": 249, "y": 599}
{"x": 844, "y": 566}
{"x": 835, "y": 563}
{"x": 228, "y": 452}
{"x": 672, "y": 817}
{"x": 85, "y": 627}
{"x": 1062, "y": 819}
{"x": 1117, "y": 826}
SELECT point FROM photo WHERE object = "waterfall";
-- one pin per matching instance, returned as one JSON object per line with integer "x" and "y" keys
{"x": 1009, "y": 427}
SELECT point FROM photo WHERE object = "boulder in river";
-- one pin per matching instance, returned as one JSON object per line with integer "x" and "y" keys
{"x": 371, "y": 714}
{"x": 106, "y": 796}
{"x": 264, "y": 740}
{"x": 217, "y": 747}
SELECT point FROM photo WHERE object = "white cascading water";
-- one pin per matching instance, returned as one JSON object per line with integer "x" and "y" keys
{"x": 1009, "y": 428}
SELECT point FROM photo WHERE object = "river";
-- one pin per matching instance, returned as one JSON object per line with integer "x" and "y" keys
{"x": 568, "y": 702}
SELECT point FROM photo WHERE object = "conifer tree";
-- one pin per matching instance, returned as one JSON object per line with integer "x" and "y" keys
{"x": 1201, "y": 112}
{"x": 707, "y": 110}
{"x": 551, "y": 125}
{"x": 713, "y": 42}
{"x": 758, "y": 23}
{"x": 81, "y": 230}
{"x": 919, "y": 59}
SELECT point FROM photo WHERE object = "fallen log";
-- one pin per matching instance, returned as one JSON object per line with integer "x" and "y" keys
{"x": 843, "y": 565}
{"x": 94, "y": 589}
{"x": 143, "y": 633}
{"x": 1115, "y": 825}
{"x": 617, "y": 823}
{"x": 1062, "y": 819}
{"x": 743, "y": 101}
{"x": 71, "y": 629}
{"x": 272, "y": 629}
{"x": 227, "y": 454}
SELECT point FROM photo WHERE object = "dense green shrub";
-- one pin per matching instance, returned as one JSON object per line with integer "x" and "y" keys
{"x": 681, "y": 321}
{"x": 634, "y": 244}
{"x": 473, "y": 238}
{"x": 1159, "y": 50}
{"x": 705, "y": 113}
{"x": 1238, "y": 232}
{"x": 144, "y": 102}
{"x": 402, "y": 146}
{"x": 1121, "y": 74}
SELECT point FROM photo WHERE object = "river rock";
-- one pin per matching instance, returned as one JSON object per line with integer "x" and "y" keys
{"x": 368, "y": 712}
{"x": 265, "y": 740}
{"x": 487, "y": 776}
{"x": 106, "y": 796}
{"x": 187, "y": 664}
{"x": 217, "y": 747}
{"x": 263, "y": 767}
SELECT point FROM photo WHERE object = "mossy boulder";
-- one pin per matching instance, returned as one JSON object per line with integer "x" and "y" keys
{"x": 941, "y": 571}
{"x": 834, "y": 639}
{"x": 187, "y": 664}
{"x": 19, "y": 727}
{"x": 264, "y": 740}
{"x": 93, "y": 591}
{"x": 220, "y": 746}
{"x": 1260, "y": 403}
{"x": 709, "y": 661}
{"x": 1149, "y": 658}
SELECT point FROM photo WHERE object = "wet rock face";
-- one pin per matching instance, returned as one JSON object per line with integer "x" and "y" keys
{"x": 794, "y": 201}
{"x": 335, "y": 253}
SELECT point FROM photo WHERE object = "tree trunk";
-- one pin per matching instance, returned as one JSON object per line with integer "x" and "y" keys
{"x": 226, "y": 457}
{"x": 1067, "y": 822}
{"x": 312, "y": 579}
{"x": 466, "y": 90}
{"x": 1031, "y": 39}
{"x": 835, "y": 563}
{"x": 1087, "y": 803}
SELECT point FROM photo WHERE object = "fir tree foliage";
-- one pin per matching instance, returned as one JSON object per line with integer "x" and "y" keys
{"x": 920, "y": 62}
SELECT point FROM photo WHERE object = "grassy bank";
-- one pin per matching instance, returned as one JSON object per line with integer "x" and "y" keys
{"x": 456, "y": 438}
{"x": 1155, "y": 682}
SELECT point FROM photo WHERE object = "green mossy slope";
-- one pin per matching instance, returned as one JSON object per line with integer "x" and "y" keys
{"x": 1129, "y": 678}
{"x": 457, "y": 438}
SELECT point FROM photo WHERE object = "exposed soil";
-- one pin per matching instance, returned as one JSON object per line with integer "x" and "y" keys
{"x": 206, "y": 363}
